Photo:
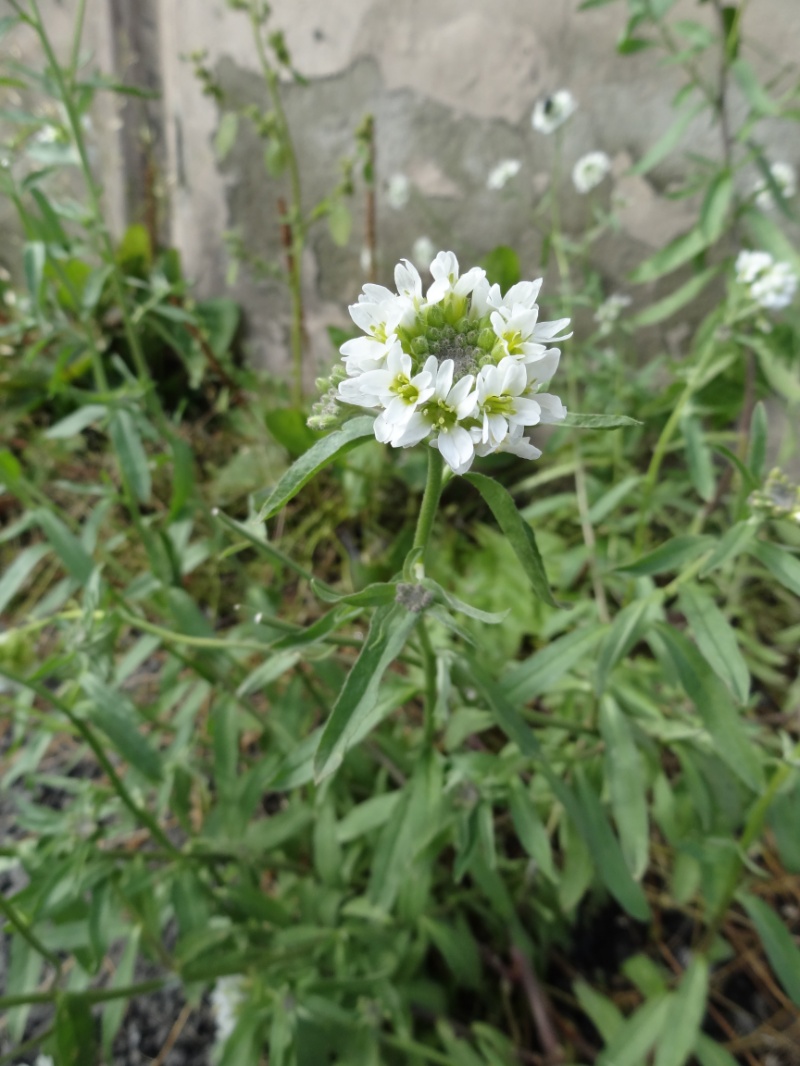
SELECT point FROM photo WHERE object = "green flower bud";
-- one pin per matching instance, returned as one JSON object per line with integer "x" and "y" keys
{"x": 420, "y": 346}
{"x": 436, "y": 316}
{"x": 486, "y": 339}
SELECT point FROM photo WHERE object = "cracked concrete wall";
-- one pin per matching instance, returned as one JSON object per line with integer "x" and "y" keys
{"x": 452, "y": 87}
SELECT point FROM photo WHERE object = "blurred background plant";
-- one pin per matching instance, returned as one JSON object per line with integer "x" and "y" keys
{"x": 569, "y": 837}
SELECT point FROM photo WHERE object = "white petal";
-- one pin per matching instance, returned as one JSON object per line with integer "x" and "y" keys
{"x": 553, "y": 410}
{"x": 407, "y": 279}
{"x": 546, "y": 331}
{"x": 444, "y": 378}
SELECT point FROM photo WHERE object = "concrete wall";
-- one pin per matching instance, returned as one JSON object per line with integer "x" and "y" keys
{"x": 451, "y": 86}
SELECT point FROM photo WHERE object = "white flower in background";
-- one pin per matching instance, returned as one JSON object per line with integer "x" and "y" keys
{"x": 459, "y": 366}
{"x": 553, "y": 111}
{"x": 398, "y": 191}
{"x": 609, "y": 311}
{"x": 227, "y": 997}
{"x": 503, "y": 173}
{"x": 365, "y": 259}
{"x": 785, "y": 177}
{"x": 772, "y": 285}
{"x": 590, "y": 170}
{"x": 422, "y": 251}
{"x": 48, "y": 134}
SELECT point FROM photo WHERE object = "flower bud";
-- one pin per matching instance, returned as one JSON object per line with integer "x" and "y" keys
{"x": 486, "y": 339}
{"x": 420, "y": 346}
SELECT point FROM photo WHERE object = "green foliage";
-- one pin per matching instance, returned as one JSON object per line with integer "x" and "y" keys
{"x": 251, "y": 739}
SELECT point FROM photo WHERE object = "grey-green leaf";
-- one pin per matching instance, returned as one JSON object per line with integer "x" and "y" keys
{"x": 390, "y": 629}
{"x": 319, "y": 455}
{"x": 587, "y": 421}
{"x": 779, "y": 944}
{"x": 519, "y": 533}
{"x": 113, "y": 712}
{"x": 716, "y": 639}
{"x": 131, "y": 454}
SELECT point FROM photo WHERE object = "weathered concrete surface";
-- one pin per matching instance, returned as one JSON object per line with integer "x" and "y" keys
{"x": 451, "y": 87}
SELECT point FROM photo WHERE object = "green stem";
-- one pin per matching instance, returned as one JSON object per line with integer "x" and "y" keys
{"x": 295, "y": 217}
{"x": 87, "y": 734}
{"x": 430, "y": 501}
{"x": 32, "y": 1044}
{"x": 429, "y": 667}
{"x": 25, "y": 931}
{"x": 88, "y": 995}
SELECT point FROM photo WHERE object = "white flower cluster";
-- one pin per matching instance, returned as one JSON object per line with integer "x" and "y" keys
{"x": 553, "y": 111}
{"x": 500, "y": 175}
{"x": 227, "y": 997}
{"x": 460, "y": 366}
{"x": 772, "y": 285}
{"x": 590, "y": 170}
{"x": 609, "y": 311}
{"x": 784, "y": 176}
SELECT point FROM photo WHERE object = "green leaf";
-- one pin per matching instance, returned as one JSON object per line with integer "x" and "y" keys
{"x": 671, "y": 256}
{"x": 182, "y": 475}
{"x": 34, "y": 256}
{"x": 716, "y": 206}
{"x": 670, "y": 556}
{"x": 710, "y": 1053}
{"x": 698, "y": 455}
{"x": 219, "y": 320}
{"x": 583, "y": 809}
{"x": 779, "y": 944}
{"x": 670, "y": 305}
{"x": 20, "y": 569}
{"x": 226, "y": 134}
{"x": 757, "y": 444}
{"x": 531, "y": 829}
{"x": 390, "y": 629}
{"x": 74, "y": 1038}
{"x": 627, "y": 786}
{"x": 114, "y": 1012}
{"x": 687, "y": 1008}
{"x": 364, "y": 817}
{"x": 605, "y": 1016}
{"x": 610, "y": 499}
{"x": 340, "y": 223}
{"x": 637, "y": 1035}
{"x": 669, "y": 140}
{"x": 732, "y": 542}
{"x": 457, "y": 945}
{"x": 586, "y": 421}
{"x": 134, "y": 253}
{"x": 714, "y": 705}
{"x": 113, "y": 712}
{"x": 352, "y": 433}
{"x": 783, "y": 566}
{"x": 542, "y": 672}
{"x": 75, "y": 423}
{"x": 757, "y": 97}
{"x": 66, "y": 545}
{"x": 288, "y": 426}
{"x": 519, "y": 533}
{"x": 627, "y": 628}
{"x": 491, "y": 618}
{"x": 376, "y": 595}
{"x": 716, "y": 639}
{"x": 130, "y": 451}
{"x": 502, "y": 267}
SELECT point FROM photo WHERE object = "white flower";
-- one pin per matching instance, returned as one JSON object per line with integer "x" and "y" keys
{"x": 590, "y": 170}
{"x": 771, "y": 285}
{"x": 227, "y": 997}
{"x": 458, "y": 367}
{"x": 775, "y": 288}
{"x": 553, "y": 111}
{"x": 446, "y": 278}
{"x": 609, "y": 311}
{"x": 785, "y": 177}
{"x": 423, "y": 251}
{"x": 365, "y": 259}
{"x": 503, "y": 173}
{"x": 750, "y": 264}
{"x": 398, "y": 191}
{"x": 501, "y": 402}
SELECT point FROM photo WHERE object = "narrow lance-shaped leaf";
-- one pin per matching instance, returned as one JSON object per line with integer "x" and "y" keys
{"x": 112, "y": 712}
{"x": 131, "y": 454}
{"x": 779, "y": 944}
{"x": 519, "y": 533}
{"x": 625, "y": 775}
{"x": 714, "y": 705}
{"x": 352, "y": 433}
{"x": 576, "y": 420}
{"x": 716, "y": 639}
{"x": 780, "y": 563}
{"x": 390, "y": 629}
{"x": 670, "y": 556}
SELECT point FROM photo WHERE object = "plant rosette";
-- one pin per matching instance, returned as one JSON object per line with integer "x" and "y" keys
{"x": 461, "y": 366}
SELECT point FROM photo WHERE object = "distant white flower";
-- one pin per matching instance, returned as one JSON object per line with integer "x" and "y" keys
{"x": 785, "y": 177}
{"x": 48, "y": 134}
{"x": 609, "y": 311}
{"x": 590, "y": 170}
{"x": 772, "y": 285}
{"x": 503, "y": 173}
{"x": 423, "y": 251}
{"x": 365, "y": 259}
{"x": 459, "y": 366}
{"x": 227, "y": 997}
{"x": 398, "y": 191}
{"x": 553, "y": 111}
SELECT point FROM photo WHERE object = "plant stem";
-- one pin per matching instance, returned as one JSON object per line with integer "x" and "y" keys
{"x": 24, "y": 930}
{"x": 88, "y": 995}
{"x": 87, "y": 734}
{"x": 293, "y": 218}
{"x": 430, "y": 501}
{"x": 429, "y": 667}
